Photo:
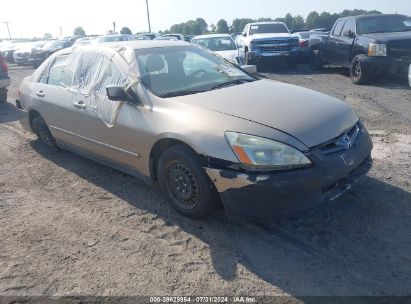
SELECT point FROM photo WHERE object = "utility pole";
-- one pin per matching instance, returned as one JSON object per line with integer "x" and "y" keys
{"x": 148, "y": 17}
{"x": 8, "y": 29}
{"x": 114, "y": 27}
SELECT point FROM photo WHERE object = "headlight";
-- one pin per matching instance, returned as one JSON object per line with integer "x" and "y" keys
{"x": 257, "y": 152}
{"x": 377, "y": 49}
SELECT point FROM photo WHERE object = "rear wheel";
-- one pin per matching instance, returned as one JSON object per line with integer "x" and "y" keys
{"x": 182, "y": 179}
{"x": 43, "y": 133}
{"x": 315, "y": 61}
{"x": 3, "y": 95}
{"x": 357, "y": 72}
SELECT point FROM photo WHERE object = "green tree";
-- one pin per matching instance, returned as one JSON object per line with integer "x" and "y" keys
{"x": 126, "y": 31}
{"x": 47, "y": 36}
{"x": 213, "y": 27}
{"x": 222, "y": 27}
{"x": 79, "y": 31}
{"x": 297, "y": 23}
{"x": 288, "y": 20}
{"x": 239, "y": 24}
{"x": 313, "y": 20}
{"x": 201, "y": 24}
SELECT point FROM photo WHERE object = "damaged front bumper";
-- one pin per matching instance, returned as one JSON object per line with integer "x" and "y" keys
{"x": 269, "y": 196}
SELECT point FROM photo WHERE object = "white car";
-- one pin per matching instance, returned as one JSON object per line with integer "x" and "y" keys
{"x": 222, "y": 44}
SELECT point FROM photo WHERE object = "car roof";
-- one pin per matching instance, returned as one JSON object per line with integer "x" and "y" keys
{"x": 136, "y": 44}
{"x": 267, "y": 22}
{"x": 359, "y": 17}
{"x": 213, "y": 36}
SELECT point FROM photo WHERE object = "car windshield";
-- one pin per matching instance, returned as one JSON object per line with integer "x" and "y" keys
{"x": 216, "y": 44}
{"x": 268, "y": 28}
{"x": 177, "y": 71}
{"x": 54, "y": 44}
{"x": 384, "y": 24}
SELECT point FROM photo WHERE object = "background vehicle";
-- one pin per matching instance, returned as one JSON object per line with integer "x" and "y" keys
{"x": 4, "y": 79}
{"x": 178, "y": 36}
{"x": 113, "y": 38}
{"x": 222, "y": 44}
{"x": 368, "y": 45}
{"x": 84, "y": 41}
{"x": 305, "y": 51}
{"x": 38, "y": 55}
{"x": 171, "y": 38}
{"x": 21, "y": 55}
{"x": 264, "y": 41}
{"x": 142, "y": 37}
{"x": 9, "y": 48}
{"x": 195, "y": 138}
{"x": 188, "y": 38}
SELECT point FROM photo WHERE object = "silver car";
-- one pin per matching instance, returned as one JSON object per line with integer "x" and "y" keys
{"x": 208, "y": 132}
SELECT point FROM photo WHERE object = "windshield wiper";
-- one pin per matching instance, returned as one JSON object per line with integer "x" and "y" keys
{"x": 231, "y": 83}
{"x": 180, "y": 93}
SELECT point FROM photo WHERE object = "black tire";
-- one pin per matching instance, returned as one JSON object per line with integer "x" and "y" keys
{"x": 357, "y": 73}
{"x": 188, "y": 188}
{"x": 315, "y": 61}
{"x": 3, "y": 95}
{"x": 43, "y": 133}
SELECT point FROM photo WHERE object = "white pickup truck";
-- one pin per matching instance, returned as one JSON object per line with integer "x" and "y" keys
{"x": 268, "y": 41}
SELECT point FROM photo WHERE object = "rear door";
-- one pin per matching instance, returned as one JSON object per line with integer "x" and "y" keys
{"x": 53, "y": 97}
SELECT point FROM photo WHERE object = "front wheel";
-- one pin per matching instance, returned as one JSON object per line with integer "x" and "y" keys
{"x": 357, "y": 72}
{"x": 183, "y": 180}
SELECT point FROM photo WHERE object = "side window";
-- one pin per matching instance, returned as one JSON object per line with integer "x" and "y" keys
{"x": 338, "y": 28}
{"x": 58, "y": 74}
{"x": 349, "y": 26}
{"x": 90, "y": 69}
{"x": 105, "y": 108}
{"x": 44, "y": 75}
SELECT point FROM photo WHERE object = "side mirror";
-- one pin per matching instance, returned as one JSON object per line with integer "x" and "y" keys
{"x": 118, "y": 93}
{"x": 348, "y": 34}
{"x": 244, "y": 34}
{"x": 250, "y": 69}
{"x": 246, "y": 49}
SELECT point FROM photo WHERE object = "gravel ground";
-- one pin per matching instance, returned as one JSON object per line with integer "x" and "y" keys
{"x": 70, "y": 226}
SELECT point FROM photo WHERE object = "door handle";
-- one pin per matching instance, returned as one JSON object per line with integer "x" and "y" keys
{"x": 40, "y": 94}
{"x": 80, "y": 105}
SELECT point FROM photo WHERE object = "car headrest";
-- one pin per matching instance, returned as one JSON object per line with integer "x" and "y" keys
{"x": 154, "y": 63}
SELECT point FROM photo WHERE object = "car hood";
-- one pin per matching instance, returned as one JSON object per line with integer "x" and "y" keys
{"x": 311, "y": 117}
{"x": 272, "y": 36}
{"x": 388, "y": 37}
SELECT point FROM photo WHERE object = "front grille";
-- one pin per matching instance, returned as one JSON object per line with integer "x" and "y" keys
{"x": 342, "y": 143}
{"x": 400, "y": 49}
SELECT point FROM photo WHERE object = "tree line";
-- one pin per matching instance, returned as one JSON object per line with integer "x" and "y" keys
{"x": 200, "y": 26}
{"x": 312, "y": 21}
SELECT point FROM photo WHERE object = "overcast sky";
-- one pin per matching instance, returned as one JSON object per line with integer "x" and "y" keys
{"x": 30, "y": 18}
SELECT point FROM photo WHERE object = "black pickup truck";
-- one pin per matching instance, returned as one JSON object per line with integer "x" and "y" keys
{"x": 367, "y": 44}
